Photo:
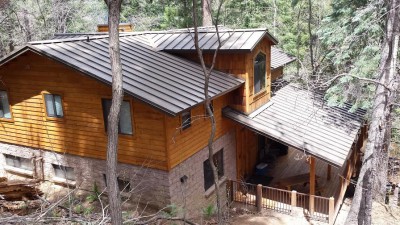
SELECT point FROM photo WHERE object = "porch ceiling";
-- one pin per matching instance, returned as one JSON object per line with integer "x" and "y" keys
{"x": 300, "y": 119}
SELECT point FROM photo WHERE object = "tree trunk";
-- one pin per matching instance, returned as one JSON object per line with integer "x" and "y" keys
{"x": 311, "y": 37}
{"x": 207, "y": 74}
{"x": 206, "y": 5}
{"x": 114, "y": 7}
{"x": 360, "y": 211}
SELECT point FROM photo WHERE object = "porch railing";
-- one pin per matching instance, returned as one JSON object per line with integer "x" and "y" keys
{"x": 283, "y": 201}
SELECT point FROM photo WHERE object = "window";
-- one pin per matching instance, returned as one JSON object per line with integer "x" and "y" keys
{"x": 259, "y": 72}
{"x": 123, "y": 185}
{"x": 64, "y": 172}
{"x": 125, "y": 120}
{"x": 208, "y": 173}
{"x": 53, "y": 105}
{"x": 19, "y": 162}
{"x": 5, "y": 111}
{"x": 186, "y": 120}
{"x": 211, "y": 107}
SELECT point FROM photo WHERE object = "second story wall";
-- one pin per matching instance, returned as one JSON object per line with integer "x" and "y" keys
{"x": 81, "y": 131}
{"x": 242, "y": 66}
{"x": 183, "y": 143}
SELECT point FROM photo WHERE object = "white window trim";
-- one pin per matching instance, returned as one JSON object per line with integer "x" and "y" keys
{"x": 63, "y": 181}
{"x": 18, "y": 170}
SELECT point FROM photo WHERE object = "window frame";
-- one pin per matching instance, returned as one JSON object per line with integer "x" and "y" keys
{"x": 9, "y": 105}
{"x": 212, "y": 109}
{"x": 19, "y": 158}
{"x": 263, "y": 89}
{"x": 186, "y": 126}
{"x": 221, "y": 171}
{"x": 105, "y": 117}
{"x": 64, "y": 170}
{"x": 124, "y": 189}
{"x": 53, "y": 118}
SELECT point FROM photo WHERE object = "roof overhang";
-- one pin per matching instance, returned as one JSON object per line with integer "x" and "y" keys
{"x": 297, "y": 118}
{"x": 78, "y": 59}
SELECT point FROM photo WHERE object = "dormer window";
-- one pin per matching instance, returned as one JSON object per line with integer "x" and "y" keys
{"x": 259, "y": 72}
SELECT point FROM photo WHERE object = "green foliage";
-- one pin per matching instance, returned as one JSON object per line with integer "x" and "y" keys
{"x": 209, "y": 211}
{"x": 172, "y": 211}
{"x": 350, "y": 38}
{"x": 94, "y": 195}
{"x": 22, "y": 21}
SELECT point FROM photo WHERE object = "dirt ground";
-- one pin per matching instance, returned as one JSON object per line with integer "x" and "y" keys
{"x": 381, "y": 215}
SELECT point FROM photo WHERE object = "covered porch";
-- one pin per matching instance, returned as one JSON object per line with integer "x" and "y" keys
{"x": 296, "y": 142}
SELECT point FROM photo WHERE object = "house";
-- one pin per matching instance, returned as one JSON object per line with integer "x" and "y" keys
{"x": 56, "y": 95}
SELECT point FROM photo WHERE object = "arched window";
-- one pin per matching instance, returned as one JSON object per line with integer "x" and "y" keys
{"x": 259, "y": 72}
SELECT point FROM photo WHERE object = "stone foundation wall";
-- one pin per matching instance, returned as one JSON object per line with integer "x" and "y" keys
{"x": 191, "y": 195}
{"x": 151, "y": 186}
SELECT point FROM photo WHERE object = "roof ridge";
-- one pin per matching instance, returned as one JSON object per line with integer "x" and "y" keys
{"x": 88, "y": 37}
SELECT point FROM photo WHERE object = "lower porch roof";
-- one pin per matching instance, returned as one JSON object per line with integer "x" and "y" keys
{"x": 300, "y": 118}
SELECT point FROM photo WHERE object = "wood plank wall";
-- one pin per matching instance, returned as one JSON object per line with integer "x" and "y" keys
{"x": 181, "y": 144}
{"x": 81, "y": 131}
{"x": 276, "y": 73}
{"x": 246, "y": 152}
{"x": 242, "y": 66}
{"x": 259, "y": 99}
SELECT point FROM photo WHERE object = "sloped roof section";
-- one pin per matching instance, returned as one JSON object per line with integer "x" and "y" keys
{"x": 279, "y": 58}
{"x": 231, "y": 39}
{"x": 300, "y": 119}
{"x": 162, "y": 80}
{"x": 177, "y": 40}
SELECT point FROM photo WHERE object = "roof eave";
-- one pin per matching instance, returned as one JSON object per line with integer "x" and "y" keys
{"x": 32, "y": 48}
{"x": 285, "y": 64}
{"x": 225, "y": 113}
{"x": 14, "y": 54}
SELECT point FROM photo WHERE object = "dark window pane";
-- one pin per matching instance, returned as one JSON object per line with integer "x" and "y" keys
{"x": 211, "y": 107}
{"x": 53, "y": 105}
{"x": 64, "y": 172}
{"x": 123, "y": 185}
{"x": 58, "y": 106}
{"x": 125, "y": 120}
{"x": 186, "y": 120}
{"x": 49, "y": 99}
{"x": 4, "y": 106}
{"x": 259, "y": 72}
{"x": 19, "y": 162}
{"x": 106, "y": 110}
{"x": 208, "y": 174}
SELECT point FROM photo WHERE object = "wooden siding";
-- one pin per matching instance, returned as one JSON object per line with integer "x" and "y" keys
{"x": 276, "y": 73}
{"x": 256, "y": 100}
{"x": 242, "y": 66}
{"x": 81, "y": 131}
{"x": 246, "y": 152}
{"x": 181, "y": 144}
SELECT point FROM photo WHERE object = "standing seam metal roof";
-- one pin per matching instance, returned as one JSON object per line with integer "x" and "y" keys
{"x": 300, "y": 119}
{"x": 279, "y": 58}
{"x": 231, "y": 39}
{"x": 162, "y": 80}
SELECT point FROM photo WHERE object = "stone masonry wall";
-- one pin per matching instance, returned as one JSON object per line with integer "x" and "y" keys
{"x": 150, "y": 185}
{"x": 191, "y": 194}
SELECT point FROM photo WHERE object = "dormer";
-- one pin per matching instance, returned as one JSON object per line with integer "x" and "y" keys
{"x": 244, "y": 53}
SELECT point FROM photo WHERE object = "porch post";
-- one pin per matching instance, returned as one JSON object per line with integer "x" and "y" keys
{"x": 328, "y": 175}
{"x": 312, "y": 184}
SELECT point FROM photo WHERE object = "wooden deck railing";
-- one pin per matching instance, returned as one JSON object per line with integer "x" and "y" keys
{"x": 281, "y": 200}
